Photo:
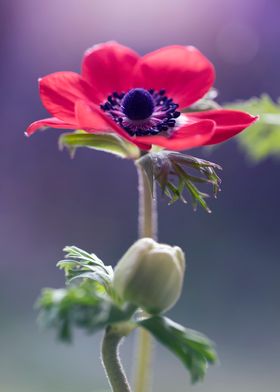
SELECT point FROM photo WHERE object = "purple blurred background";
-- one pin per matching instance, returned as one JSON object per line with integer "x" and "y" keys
{"x": 48, "y": 200}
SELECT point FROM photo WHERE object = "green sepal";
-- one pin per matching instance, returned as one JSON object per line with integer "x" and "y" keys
{"x": 262, "y": 139}
{"x": 194, "y": 349}
{"x": 107, "y": 142}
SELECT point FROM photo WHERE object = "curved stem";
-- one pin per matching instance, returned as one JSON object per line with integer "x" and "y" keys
{"x": 147, "y": 228}
{"x": 112, "y": 363}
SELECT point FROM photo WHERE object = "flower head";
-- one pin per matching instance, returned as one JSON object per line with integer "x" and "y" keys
{"x": 139, "y": 98}
{"x": 150, "y": 275}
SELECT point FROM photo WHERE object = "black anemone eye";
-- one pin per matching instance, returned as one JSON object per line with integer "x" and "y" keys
{"x": 138, "y": 104}
{"x": 142, "y": 112}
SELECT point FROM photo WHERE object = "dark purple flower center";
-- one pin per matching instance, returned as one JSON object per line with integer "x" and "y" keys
{"x": 138, "y": 104}
{"x": 142, "y": 112}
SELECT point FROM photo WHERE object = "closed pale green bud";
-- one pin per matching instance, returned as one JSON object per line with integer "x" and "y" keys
{"x": 150, "y": 275}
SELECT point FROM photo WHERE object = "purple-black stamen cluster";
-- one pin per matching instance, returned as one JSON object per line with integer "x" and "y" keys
{"x": 142, "y": 112}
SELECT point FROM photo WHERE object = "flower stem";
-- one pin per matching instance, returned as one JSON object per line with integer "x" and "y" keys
{"x": 147, "y": 206}
{"x": 144, "y": 352}
{"x": 147, "y": 228}
{"x": 111, "y": 361}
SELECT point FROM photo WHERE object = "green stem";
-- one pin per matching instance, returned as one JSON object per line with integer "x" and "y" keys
{"x": 144, "y": 352}
{"x": 147, "y": 228}
{"x": 112, "y": 363}
{"x": 147, "y": 206}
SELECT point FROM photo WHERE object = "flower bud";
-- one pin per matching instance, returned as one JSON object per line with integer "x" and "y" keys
{"x": 150, "y": 275}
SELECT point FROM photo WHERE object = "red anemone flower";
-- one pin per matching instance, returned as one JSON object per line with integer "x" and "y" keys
{"x": 139, "y": 98}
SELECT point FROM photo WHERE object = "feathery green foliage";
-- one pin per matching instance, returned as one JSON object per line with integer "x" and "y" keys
{"x": 262, "y": 139}
{"x": 176, "y": 173}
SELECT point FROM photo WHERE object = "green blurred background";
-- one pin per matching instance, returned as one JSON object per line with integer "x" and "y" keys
{"x": 48, "y": 200}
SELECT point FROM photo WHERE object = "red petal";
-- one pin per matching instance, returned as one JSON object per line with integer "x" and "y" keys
{"x": 59, "y": 92}
{"x": 188, "y": 136}
{"x": 89, "y": 118}
{"x": 108, "y": 67}
{"x": 92, "y": 119}
{"x": 51, "y": 122}
{"x": 182, "y": 71}
{"x": 228, "y": 123}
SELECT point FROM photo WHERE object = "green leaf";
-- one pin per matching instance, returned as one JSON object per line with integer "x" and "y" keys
{"x": 84, "y": 306}
{"x": 176, "y": 172}
{"x": 107, "y": 142}
{"x": 195, "y": 350}
{"x": 262, "y": 139}
{"x": 80, "y": 264}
